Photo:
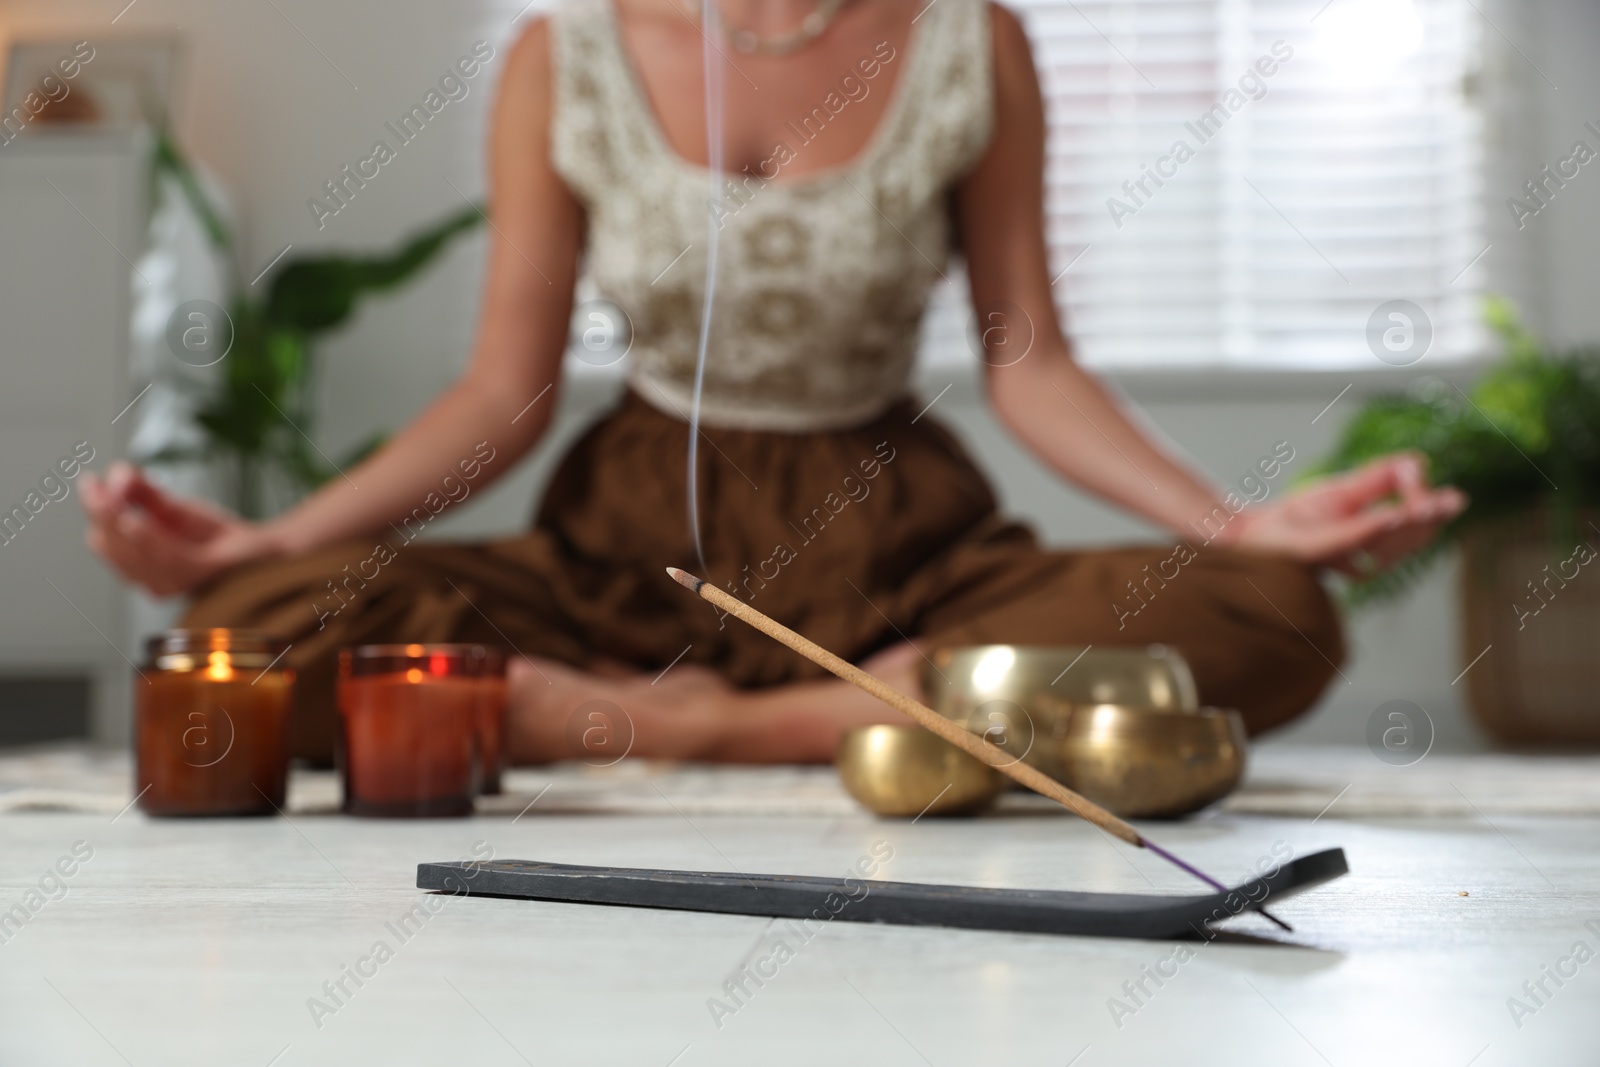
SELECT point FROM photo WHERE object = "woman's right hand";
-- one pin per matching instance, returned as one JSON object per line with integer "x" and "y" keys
{"x": 164, "y": 543}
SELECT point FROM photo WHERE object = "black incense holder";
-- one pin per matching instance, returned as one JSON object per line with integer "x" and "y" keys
{"x": 1034, "y": 911}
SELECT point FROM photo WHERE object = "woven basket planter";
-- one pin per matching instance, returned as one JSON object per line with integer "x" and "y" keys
{"x": 1536, "y": 605}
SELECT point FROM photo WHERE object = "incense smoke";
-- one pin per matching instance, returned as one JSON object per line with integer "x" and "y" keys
{"x": 713, "y": 86}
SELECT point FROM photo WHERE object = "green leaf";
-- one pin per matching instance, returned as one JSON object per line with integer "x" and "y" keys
{"x": 169, "y": 159}
{"x": 256, "y": 407}
{"x": 316, "y": 293}
{"x": 1532, "y": 423}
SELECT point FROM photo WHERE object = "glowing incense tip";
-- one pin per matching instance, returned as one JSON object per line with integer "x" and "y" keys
{"x": 685, "y": 579}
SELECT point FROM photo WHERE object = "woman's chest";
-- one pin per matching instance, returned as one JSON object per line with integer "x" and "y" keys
{"x": 782, "y": 117}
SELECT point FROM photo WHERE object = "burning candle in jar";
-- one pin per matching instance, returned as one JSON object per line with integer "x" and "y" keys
{"x": 211, "y": 723}
{"x": 414, "y": 719}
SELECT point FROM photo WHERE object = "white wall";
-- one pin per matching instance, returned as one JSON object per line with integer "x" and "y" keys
{"x": 275, "y": 115}
{"x": 272, "y": 114}
{"x": 1554, "y": 88}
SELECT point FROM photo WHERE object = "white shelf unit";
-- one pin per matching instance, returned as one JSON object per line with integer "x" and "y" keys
{"x": 73, "y": 209}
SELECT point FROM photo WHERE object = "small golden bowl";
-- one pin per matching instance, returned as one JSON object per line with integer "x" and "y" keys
{"x": 1020, "y": 697}
{"x": 904, "y": 771}
{"x": 1151, "y": 763}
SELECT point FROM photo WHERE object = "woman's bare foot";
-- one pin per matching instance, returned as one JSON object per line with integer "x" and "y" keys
{"x": 558, "y": 712}
{"x": 901, "y": 667}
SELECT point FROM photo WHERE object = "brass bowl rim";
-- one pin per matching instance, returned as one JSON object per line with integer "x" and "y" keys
{"x": 1068, "y": 709}
{"x": 896, "y": 727}
{"x": 906, "y": 731}
{"x": 1059, "y": 649}
{"x": 1206, "y": 710}
{"x": 1132, "y": 717}
{"x": 958, "y": 689}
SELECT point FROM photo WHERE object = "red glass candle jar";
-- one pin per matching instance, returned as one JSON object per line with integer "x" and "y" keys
{"x": 491, "y": 675}
{"x": 211, "y": 724}
{"x": 413, "y": 728}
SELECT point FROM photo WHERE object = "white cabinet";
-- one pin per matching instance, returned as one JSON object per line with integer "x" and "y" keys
{"x": 72, "y": 223}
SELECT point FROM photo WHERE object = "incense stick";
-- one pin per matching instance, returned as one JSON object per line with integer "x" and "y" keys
{"x": 947, "y": 729}
{"x": 924, "y": 716}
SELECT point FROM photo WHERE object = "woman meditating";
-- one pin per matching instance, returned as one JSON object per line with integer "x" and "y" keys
{"x": 863, "y": 143}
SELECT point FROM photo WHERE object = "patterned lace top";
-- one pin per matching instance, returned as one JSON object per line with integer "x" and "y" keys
{"x": 822, "y": 279}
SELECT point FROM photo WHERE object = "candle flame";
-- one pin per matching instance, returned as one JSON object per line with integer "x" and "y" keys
{"x": 220, "y": 668}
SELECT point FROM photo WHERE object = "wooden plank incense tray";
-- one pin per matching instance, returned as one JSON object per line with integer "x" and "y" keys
{"x": 1033, "y": 911}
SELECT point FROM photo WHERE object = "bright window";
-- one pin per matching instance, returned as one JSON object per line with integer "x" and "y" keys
{"x": 1244, "y": 182}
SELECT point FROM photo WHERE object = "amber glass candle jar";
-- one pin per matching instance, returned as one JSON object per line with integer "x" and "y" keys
{"x": 491, "y": 675}
{"x": 211, "y": 723}
{"x": 414, "y": 718}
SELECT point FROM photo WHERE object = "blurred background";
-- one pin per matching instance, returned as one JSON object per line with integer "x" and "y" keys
{"x": 1403, "y": 157}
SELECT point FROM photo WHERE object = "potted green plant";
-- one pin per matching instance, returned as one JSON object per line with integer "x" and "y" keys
{"x": 1524, "y": 443}
{"x": 255, "y": 411}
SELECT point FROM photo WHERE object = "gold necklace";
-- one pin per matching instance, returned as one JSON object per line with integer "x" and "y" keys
{"x": 811, "y": 27}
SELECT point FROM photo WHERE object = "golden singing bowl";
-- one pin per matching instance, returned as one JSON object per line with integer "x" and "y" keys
{"x": 1151, "y": 763}
{"x": 907, "y": 771}
{"x": 1020, "y": 697}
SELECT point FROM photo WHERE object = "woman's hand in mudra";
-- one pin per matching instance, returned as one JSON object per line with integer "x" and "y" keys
{"x": 1359, "y": 523}
{"x": 164, "y": 543}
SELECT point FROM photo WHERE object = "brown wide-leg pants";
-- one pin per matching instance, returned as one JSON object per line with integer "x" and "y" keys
{"x": 859, "y": 539}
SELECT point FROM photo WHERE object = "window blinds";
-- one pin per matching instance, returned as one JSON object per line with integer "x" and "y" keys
{"x": 1244, "y": 182}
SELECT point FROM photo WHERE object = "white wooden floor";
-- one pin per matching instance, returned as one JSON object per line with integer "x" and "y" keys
{"x": 202, "y": 942}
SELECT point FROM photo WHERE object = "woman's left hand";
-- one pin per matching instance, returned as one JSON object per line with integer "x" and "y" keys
{"x": 1360, "y": 522}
